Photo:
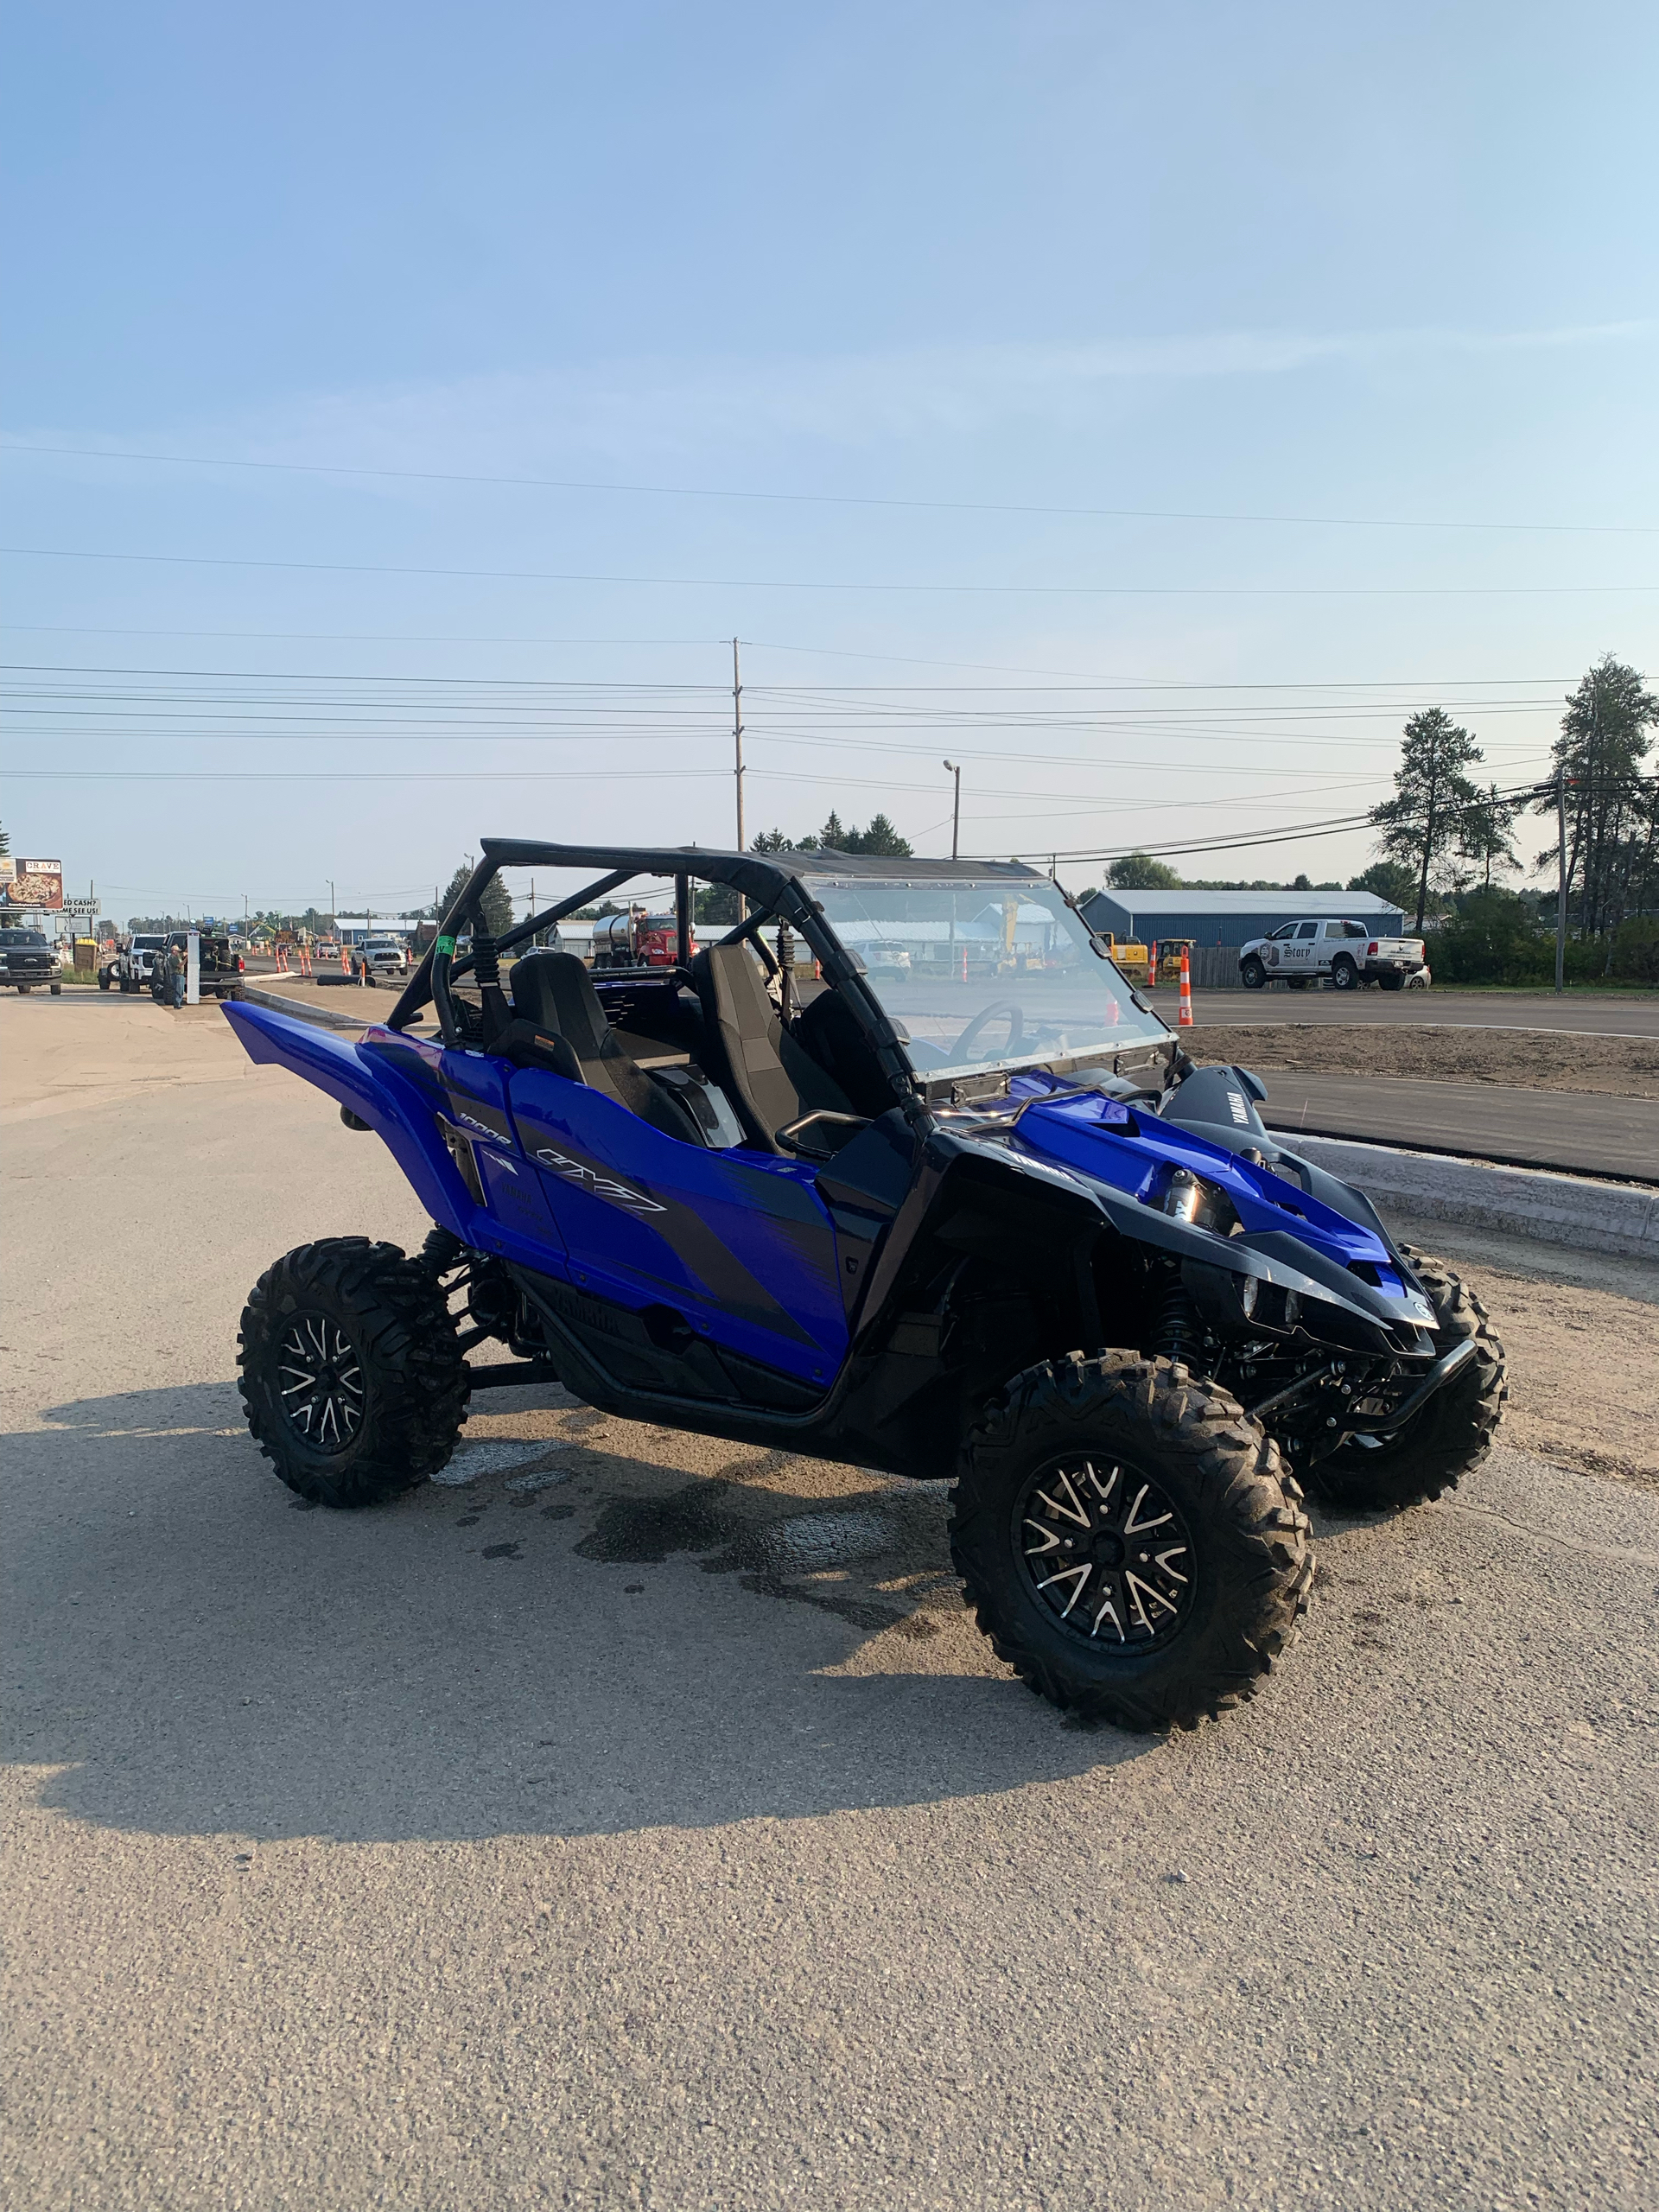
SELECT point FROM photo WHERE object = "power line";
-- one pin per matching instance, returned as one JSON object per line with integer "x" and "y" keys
{"x": 1090, "y": 679}
{"x": 825, "y": 498}
{"x": 778, "y": 583}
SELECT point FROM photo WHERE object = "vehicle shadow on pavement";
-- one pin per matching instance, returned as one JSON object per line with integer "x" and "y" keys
{"x": 578, "y": 1640}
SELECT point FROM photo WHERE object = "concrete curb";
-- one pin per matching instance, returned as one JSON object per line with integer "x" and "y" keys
{"x": 1571, "y": 1210}
{"x": 304, "y": 1009}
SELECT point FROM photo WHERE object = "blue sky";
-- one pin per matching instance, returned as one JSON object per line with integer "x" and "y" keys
{"x": 1387, "y": 264}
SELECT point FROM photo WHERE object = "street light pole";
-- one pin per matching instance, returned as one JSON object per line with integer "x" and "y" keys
{"x": 956, "y": 807}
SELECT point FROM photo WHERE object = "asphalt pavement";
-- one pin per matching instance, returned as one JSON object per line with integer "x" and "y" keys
{"x": 1583, "y": 1133}
{"x": 641, "y": 1822}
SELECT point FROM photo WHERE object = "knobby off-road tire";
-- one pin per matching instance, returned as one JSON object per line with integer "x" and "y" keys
{"x": 352, "y": 1381}
{"x": 1137, "y": 1439}
{"x": 1452, "y": 1434}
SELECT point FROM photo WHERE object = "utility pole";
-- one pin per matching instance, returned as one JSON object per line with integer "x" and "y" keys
{"x": 1561, "y": 880}
{"x": 737, "y": 737}
{"x": 956, "y": 807}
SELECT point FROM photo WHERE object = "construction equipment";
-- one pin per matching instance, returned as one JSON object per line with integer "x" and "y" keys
{"x": 1171, "y": 951}
{"x": 1131, "y": 956}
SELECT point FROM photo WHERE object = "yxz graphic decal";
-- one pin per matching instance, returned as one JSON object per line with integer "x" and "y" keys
{"x": 602, "y": 1186}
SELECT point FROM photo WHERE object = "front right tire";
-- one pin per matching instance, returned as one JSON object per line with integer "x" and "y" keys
{"x": 1130, "y": 1540}
{"x": 1453, "y": 1433}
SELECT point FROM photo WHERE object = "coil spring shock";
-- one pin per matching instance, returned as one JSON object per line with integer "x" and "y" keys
{"x": 486, "y": 973}
{"x": 1175, "y": 1326}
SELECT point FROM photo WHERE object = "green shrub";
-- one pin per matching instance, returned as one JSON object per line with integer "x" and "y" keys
{"x": 1492, "y": 939}
{"x": 1635, "y": 950}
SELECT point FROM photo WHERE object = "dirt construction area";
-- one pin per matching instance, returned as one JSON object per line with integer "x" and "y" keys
{"x": 632, "y": 1820}
{"x": 1529, "y": 1059}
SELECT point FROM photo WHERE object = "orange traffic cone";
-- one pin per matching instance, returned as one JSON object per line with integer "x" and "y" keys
{"x": 345, "y": 960}
{"x": 1183, "y": 1020}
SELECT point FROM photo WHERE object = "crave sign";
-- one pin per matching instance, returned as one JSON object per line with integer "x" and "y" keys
{"x": 36, "y": 884}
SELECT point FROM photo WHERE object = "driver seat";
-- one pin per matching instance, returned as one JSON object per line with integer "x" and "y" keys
{"x": 769, "y": 1079}
{"x": 555, "y": 991}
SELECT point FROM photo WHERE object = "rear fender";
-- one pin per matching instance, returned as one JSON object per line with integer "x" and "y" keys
{"x": 385, "y": 1095}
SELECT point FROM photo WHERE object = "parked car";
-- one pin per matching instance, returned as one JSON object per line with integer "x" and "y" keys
{"x": 1348, "y": 953}
{"x": 28, "y": 962}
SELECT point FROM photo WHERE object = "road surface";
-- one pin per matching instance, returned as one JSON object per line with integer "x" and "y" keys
{"x": 642, "y": 1823}
{"x": 1586, "y": 1133}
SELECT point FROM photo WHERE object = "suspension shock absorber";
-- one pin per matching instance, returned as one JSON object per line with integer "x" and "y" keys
{"x": 486, "y": 971}
{"x": 1176, "y": 1329}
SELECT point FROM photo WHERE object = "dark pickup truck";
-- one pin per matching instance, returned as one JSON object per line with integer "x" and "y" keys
{"x": 28, "y": 962}
{"x": 220, "y": 969}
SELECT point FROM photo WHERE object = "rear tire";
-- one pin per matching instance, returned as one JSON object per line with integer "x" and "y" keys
{"x": 1345, "y": 976}
{"x": 1394, "y": 982}
{"x": 1253, "y": 975}
{"x": 1452, "y": 1434}
{"x": 352, "y": 1383}
{"x": 1135, "y": 1445}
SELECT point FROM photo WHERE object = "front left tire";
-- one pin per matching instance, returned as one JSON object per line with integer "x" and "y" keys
{"x": 1130, "y": 1540}
{"x": 352, "y": 1381}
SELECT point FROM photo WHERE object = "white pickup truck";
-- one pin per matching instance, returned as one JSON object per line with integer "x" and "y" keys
{"x": 1347, "y": 953}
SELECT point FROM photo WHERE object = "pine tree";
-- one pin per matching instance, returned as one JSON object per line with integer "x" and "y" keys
{"x": 497, "y": 906}
{"x": 1612, "y": 809}
{"x": 880, "y": 838}
{"x": 1420, "y": 823}
{"x": 1483, "y": 833}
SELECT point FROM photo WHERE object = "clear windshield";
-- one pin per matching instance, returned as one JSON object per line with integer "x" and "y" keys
{"x": 984, "y": 975}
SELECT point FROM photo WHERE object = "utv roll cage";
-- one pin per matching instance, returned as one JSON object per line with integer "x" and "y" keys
{"x": 771, "y": 883}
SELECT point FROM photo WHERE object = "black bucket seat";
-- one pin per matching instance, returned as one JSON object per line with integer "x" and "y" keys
{"x": 555, "y": 991}
{"x": 769, "y": 1079}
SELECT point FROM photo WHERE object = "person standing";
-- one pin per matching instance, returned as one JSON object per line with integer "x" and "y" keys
{"x": 177, "y": 970}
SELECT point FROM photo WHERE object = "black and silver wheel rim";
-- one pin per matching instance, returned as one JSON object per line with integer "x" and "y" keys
{"x": 320, "y": 1381}
{"x": 1106, "y": 1554}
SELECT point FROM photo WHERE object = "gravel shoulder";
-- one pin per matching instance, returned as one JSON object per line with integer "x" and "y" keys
{"x": 1532, "y": 1059}
{"x": 1582, "y": 1337}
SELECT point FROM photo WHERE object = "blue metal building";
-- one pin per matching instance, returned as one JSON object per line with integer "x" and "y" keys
{"x": 1231, "y": 917}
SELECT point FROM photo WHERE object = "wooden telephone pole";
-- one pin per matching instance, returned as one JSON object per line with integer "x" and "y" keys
{"x": 737, "y": 737}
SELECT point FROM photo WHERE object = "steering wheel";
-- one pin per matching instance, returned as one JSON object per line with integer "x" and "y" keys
{"x": 999, "y": 1010}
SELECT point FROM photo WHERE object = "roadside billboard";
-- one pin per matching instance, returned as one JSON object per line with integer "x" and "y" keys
{"x": 37, "y": 885}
